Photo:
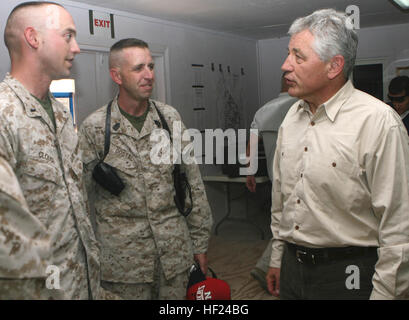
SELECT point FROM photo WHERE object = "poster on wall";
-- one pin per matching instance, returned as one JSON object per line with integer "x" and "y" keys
{"x": 67, "y": 99}
{"x": 199, "y": 105}
{"x": 402, "y": 71}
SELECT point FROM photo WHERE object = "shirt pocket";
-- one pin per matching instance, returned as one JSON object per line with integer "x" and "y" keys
{"x": 122, "y": 162}
{"x": 130, "y": 202}
{"x": 163, "y": 189}
{"x": 332, "y": 181}
{"x": 41, "y": 183}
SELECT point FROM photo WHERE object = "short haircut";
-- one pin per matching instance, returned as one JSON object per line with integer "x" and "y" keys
{"x": 123, "y": 44}
{"x": 332, "y": 36}
{"x": 399, "y": 84}
{"x": 7, "y": 29}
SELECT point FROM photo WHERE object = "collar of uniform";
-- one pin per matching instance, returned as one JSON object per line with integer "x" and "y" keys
{"x": 31, "y": 105}
{"x": 152, "y": 120}
{"x": 334, "y": 104}
{"x": 120, "y": 124}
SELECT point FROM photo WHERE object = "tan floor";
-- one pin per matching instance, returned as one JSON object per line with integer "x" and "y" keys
{"x": 232, "y": 260}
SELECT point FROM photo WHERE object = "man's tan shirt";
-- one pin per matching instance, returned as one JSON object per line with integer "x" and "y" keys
{"x": 341, "y": 178}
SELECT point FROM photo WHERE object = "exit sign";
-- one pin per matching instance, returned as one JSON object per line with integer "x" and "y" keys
{"x": 101, "y": 24}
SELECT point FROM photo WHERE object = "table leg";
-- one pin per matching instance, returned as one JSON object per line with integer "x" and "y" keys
{"x": 226, "y": 187}
{"x": 247, "y": 220}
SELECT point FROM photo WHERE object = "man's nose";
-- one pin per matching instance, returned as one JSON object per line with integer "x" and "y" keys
{"x": 287, "y": 65}
{"x": 75, "y": 47}
{"x": 149, "y": 73}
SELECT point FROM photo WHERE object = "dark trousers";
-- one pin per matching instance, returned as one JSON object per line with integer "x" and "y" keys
{"x": 347, "y": 278}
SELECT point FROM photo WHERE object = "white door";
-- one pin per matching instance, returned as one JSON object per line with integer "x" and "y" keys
{"x": 94, "y": 86}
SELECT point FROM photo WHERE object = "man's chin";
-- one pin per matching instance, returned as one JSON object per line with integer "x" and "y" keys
{"x": 292, "y": 91}
{"x": 62, "y": 75}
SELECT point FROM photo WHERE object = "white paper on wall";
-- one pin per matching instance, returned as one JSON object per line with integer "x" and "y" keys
{"x": 101, "y": 24}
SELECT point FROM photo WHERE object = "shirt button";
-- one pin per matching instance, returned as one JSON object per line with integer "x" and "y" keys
{"x": 302, "y": 175}
{"x": 312, "y": 123}
{"x": 297, "y": 228}
{"x": 334, "y": 164}
{"x": 305, "y": 149}
{"x": 298, "y": 201}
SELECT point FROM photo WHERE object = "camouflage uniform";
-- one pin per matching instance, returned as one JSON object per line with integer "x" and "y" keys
{"x": 142, "y": 224}
{"x": 24, "y": 243}
{"x": 48, "y": 167}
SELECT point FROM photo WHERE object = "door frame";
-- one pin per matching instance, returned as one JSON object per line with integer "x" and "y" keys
{"x": 379, "y": 60}
{"x": 160, "y": 53}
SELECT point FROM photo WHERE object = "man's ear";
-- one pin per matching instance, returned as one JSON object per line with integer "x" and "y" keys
{"x": 115, "y": 75}
{"x": 32, "y": 37}
{"x": 336, "y": 66}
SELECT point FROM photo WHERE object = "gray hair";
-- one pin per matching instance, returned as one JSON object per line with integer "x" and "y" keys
{"x": 332, "y": 36}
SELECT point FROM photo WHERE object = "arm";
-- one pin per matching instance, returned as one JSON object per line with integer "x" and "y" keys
{"x": 24, "y": 243}
{"x": 273, "y": 275}
{"x": 250, "y": 179}
{"x": 388, "y": 180}
{"x": 200, "y": 220}
{"x": 89, "y": 159}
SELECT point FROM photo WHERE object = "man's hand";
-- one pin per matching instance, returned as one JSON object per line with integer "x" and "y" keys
{"x": 201, "y": 258}
{"x": 251, "y": 183}
{"x": 273, "y": 281}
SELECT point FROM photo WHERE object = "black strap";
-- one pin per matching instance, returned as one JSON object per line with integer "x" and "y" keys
{"x": 166, "y": 127}
{"x": 163, "y": 121}
{"x": 107, "y": 142}
{"x": 177, "y": 175}
{"x": 213, "y": 273}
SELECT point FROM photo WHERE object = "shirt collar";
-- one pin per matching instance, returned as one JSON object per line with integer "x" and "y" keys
{"x": 403, "y": 115}
{"x": 334, "y": 104}
{"x": 33, "y": 107}
{"x": 119, "y": 124}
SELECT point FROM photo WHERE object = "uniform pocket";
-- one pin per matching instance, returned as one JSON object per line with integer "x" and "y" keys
{"x": 41, "y": 172}
{"x": 121, "y": 161}
{"x": 40, "y": 183}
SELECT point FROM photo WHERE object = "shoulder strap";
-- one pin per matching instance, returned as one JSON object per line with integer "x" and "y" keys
{"x": 163, "y": 121}
{"x": 107, "y": 130}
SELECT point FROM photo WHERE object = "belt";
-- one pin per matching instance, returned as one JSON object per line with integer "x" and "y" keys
{"x": 327, "y": 255}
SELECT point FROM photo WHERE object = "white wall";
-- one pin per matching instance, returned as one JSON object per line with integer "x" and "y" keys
{"x": 185, "y": 45}
{"x": 5, "y": 9}
{"x": 387, "y": 43}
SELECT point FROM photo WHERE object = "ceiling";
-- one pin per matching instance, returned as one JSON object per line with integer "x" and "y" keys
{"x": 256, "y": 19}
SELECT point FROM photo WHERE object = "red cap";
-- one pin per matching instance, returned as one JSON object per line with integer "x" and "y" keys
{"x": 210, "y": 289}
{"x": 202, "y": 288}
